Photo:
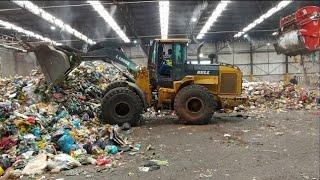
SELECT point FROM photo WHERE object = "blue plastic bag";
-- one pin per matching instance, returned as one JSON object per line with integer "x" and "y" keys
{"x": 112, "y": 149}
{"x": 67, "y": 143}
{"x": 76, "y": 123}
{"x": 36, "y": 132}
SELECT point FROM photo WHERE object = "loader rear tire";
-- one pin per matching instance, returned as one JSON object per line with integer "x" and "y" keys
{"x": 194, "y": 104}
{"x": 121, "y": 105}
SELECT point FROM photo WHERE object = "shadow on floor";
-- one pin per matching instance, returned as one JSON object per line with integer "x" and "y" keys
{"x": 169, "y": 119}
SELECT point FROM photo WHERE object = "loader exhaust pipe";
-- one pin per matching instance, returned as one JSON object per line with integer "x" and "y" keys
{"x": 199, "y": 51}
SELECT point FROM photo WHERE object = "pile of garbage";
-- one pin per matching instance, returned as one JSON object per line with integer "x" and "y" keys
{"x": 277, "y": 96}
{"x": 57, "y": 128}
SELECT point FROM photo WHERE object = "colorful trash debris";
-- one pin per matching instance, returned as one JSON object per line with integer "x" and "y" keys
{"x": 57, "y": 128}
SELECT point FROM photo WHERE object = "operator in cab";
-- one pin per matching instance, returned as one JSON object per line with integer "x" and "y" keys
{"x": 166, "y": 65}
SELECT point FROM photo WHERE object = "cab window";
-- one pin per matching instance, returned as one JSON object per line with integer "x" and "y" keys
{"x": 153, "y": 55}
{"x": 180, "y": 52}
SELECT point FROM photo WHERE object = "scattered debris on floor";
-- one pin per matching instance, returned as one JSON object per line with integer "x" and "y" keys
{"x": 59, "y": 129}
{"x": 207, "y": 174}
{"x": 153, "y": 165}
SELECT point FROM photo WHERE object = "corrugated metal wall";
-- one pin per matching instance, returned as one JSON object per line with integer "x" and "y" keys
{"x": 267, "y": 64}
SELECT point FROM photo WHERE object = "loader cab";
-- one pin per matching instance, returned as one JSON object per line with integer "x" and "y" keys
{"x": 159, "y": 53}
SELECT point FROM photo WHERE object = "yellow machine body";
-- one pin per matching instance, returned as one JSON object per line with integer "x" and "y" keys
{"x": 226, "y": 87}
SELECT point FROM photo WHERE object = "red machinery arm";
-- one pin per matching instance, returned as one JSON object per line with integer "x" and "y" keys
{"x": 299, "y": 32}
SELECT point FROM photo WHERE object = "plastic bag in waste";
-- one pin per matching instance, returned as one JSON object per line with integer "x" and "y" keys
{"x": 36, "y": 165}
{"x": 67, "y": 143}
{"x": 63, "y": 162}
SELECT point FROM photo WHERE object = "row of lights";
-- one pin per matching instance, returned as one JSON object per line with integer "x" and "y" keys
{"x": 164, "y": 18}
{"x": 14, "y": 48}
{"x": 263, "y": 17}
{"x": 213, "y": 18}
{"x": 13, "y": 27}
{"x": 97, "y": 6}
{"x": 53, "y": 20}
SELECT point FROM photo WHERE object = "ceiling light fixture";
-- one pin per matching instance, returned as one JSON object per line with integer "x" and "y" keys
{"x": 97, "y": 6}
{"x": 274, "y": 33}
{"x": 8, "y": 25}
{"x": 164, "y": 18}
{"x": 14, "y": 48}
{"x": 263, "y": 17}
{"x": 213, "y": 18}
{"x": 51, "y": 19}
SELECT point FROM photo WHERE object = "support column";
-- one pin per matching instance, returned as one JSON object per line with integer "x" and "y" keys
{"x": 306, "y": 81}
{"x": 233, "y": 53}
{"x": 286, "y": 75}
{"x": 251, "y": 64}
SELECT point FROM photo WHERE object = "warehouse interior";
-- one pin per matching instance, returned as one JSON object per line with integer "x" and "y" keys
{"x": 83, "y": 94}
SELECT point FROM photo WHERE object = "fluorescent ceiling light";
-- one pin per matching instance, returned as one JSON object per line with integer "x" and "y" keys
{"x": 263, "y": 17}
{"x": 14, "y": 48}
{"x": 213, "y": 18}
{"x": 97, "y": 6}
{"x": 51, "y": 19}
{"x": 164, "y": 18}
{"x": 274, "y": 33}
{"x": 8, "y": 25}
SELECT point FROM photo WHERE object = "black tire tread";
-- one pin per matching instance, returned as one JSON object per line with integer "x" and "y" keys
{"x": 138, "y": 104}
{"x": 183, "y": 92}
{"x": 115, "y": 84}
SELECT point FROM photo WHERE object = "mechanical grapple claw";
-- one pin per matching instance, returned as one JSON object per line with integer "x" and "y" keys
{"x": 299, "y": 32}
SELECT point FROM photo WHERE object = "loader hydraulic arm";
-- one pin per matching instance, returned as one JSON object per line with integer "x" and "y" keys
{"x": 111, "y": 52}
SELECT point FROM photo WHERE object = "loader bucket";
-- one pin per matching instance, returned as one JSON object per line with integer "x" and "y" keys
{"x": 53, "y": 63}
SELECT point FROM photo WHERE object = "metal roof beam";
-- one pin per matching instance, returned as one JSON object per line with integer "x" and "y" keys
{"x": 127, "y": 17}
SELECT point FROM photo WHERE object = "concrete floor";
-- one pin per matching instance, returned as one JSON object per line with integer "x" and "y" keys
{"x": 280, "y": 146}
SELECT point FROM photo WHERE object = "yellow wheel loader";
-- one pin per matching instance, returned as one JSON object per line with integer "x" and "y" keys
{"x": 193, "y": 91}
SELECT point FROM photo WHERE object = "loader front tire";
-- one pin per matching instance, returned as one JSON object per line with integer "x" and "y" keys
{"x": 121, "y": 105}
{"x": 194, "y": 104}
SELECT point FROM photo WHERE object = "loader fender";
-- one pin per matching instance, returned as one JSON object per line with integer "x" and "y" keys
{"x": 131, "y": 86}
